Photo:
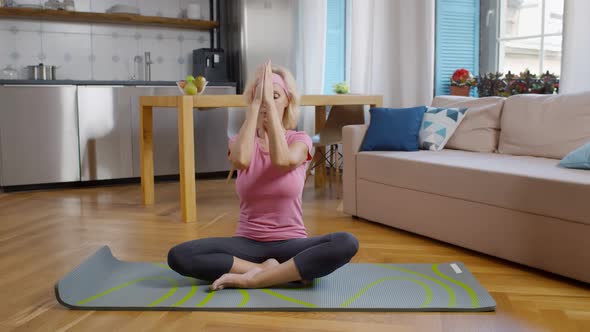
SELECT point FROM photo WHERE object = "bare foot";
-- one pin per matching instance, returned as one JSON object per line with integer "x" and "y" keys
{"x": 235, "y": 280}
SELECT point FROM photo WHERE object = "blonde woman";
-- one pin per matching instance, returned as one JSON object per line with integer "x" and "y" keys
{"x": 270, "y": 246}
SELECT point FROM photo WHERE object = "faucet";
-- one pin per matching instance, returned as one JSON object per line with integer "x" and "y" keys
{"x": 148, "y": 66}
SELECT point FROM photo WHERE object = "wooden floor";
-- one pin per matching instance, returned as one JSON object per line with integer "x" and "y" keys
{"x": 45, "y": 234}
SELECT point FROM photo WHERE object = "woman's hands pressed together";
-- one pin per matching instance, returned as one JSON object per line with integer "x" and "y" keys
{"x": 242, "y": 148}
{"x": 258, "y": 88}
{"x": 265, "y": 100}
{"x": 268, "y": 101}
{"x": 264, "y": 122}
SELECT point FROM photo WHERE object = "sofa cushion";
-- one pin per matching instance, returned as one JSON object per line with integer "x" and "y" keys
{"x": 393, "y": 129}
{"x": 527, "y": 184}
{"x": 480, "y": 129}
{"x": 545, "y": 125}
{"x": 438, "y": 125}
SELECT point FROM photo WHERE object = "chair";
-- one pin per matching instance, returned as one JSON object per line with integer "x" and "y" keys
{"x": 331, "y": 134}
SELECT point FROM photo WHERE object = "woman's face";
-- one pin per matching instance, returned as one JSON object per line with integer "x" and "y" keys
{"x": 281, "y": 102}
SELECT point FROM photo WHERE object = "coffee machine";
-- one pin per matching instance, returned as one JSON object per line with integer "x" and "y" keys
{"x": 210, "y": 63}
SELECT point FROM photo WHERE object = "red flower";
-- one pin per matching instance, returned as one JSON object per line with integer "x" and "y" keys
{"x": 460, "y": 75}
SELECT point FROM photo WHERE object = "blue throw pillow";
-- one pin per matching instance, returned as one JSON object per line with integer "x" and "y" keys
{"x": 579, "y": 158}
{"x": 394, "y": 129}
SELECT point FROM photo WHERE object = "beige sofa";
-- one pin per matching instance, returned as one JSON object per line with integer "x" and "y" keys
{"x": 495, "y": 188}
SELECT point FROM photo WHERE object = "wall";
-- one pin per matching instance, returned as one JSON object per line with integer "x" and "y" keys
{"x": 103, "y": 51}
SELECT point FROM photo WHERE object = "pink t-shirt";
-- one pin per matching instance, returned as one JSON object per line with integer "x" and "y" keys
{"x": 270, "y": 198}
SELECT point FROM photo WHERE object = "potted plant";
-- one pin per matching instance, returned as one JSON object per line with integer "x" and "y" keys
{"x": 461, "y": 82}
{"x": 498, "y": 84}
{"x": 341, "y": 88}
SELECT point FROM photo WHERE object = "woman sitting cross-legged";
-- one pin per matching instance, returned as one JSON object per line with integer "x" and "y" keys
{"x": 270, "y": 246}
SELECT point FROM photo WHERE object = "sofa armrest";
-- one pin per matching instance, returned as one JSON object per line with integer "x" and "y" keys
{"x": 352, "y": 138}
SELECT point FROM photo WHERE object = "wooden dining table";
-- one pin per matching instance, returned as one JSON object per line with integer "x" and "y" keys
{"x": 184, "y": 106}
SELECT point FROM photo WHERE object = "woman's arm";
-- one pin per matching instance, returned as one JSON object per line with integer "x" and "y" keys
{"x": 241, "y": 149}
{"x": 282, "y": 155}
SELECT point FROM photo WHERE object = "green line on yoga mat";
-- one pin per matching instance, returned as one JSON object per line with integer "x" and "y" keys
{"x": 360, "y": 293}
{"x": 170, "y": 292}
{"x": 469, "y": 290}
{"x": 289, "y": 299}
{"x": 206, "y": 299}
{"x": 190, "y": 294}
{"x": 245, "y": 297}
{"x": 129, "y": 283}
{"x": 449, "y": 290}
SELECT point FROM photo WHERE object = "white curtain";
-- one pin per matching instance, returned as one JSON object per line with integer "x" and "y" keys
{"x": 392, "y": 50}
{"x": 575, "y": 68}
{"x": 311, "y": 54}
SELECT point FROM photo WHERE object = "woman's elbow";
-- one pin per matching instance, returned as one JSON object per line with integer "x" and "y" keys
{"x": 284, "y": 164}
{"x": 240, "y": 163}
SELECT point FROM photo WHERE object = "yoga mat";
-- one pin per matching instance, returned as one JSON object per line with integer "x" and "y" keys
{"x": 103, "y": 282}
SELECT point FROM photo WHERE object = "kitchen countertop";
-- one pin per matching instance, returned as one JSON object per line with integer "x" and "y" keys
{"x": 125, "y": 83}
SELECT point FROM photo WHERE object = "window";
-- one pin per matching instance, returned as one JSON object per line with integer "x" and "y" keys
{"x": 457, "y": 41}
{"x": 530, "y": 36}
{"x": 335, "y": 66}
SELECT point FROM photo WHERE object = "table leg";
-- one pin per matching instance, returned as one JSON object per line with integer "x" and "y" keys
{"x": 186, "y": 155}
{"x": 320, "y": 169}
{"x": 146, "y": 153}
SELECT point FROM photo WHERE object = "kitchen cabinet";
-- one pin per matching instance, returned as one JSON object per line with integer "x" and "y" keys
{"x": 38, "y": 135}
{"x": 69, "y": 133}
{"x": 109, "y": 133}
{"x": 104, "y": 121}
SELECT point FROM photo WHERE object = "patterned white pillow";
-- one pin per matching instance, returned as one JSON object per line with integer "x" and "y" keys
{"x": 438, "y": 125}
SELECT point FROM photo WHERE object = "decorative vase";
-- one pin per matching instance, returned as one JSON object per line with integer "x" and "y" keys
{"x": 460, "y": 90}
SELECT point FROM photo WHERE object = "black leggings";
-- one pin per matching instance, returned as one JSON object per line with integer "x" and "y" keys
{"x": 208, "y": 259}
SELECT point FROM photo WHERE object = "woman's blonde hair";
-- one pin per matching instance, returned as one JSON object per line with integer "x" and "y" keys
{"x": 291, "y": 114}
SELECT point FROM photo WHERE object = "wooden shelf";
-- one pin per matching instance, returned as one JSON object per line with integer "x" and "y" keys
{"x": 89, "y": 17}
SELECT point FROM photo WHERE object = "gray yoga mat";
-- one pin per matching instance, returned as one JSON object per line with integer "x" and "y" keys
{"x": 103, "y": 282}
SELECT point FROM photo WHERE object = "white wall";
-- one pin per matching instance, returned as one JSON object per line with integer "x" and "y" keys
{"x": 103, "y": 51}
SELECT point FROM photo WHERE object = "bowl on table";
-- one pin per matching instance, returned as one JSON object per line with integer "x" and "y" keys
{"x": 182, "y": 84}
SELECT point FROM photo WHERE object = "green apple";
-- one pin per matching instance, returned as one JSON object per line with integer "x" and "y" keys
{"x": 200, "y": 82}
{"x": 190, "y": 88}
